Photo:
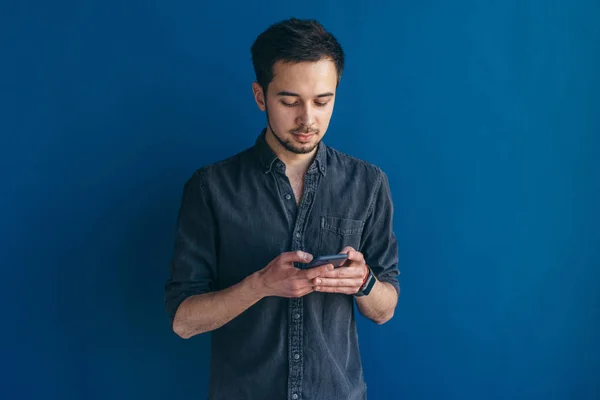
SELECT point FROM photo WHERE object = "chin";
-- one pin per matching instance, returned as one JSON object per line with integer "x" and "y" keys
{"x": 298, "y": 144}
{"x": 303, "y": 146}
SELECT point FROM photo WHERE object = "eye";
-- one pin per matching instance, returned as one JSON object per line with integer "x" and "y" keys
{"x": 320, "y": 104}
{"x": 289, "y": 104}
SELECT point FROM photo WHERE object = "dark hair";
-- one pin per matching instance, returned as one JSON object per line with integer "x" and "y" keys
{"x": 293, "y": 41}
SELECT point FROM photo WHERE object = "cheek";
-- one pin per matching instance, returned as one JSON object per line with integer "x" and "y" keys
{"x": 282, "y": 114}
{"x": 324, "y": 115}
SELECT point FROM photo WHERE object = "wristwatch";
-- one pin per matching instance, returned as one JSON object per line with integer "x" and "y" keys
{"x": 368, "y": 284}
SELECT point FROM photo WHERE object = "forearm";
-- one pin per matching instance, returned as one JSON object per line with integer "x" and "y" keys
{"x": 206, "y": 312}
{"x": 380, "y": 304}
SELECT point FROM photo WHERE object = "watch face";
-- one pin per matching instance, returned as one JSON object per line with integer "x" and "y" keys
{"x": 369, "y": 285}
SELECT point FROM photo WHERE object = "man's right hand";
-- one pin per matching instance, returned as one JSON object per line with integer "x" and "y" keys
{"x": 281, "y": 278}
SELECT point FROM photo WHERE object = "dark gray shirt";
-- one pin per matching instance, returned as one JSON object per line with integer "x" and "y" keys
{"x": 239, "y": 214}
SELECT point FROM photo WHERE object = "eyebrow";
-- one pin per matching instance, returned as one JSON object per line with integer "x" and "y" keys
{"x": 328, "y": 94}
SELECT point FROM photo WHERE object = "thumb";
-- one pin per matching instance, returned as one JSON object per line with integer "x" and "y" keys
{"x": 298, "y": 256}
{"x": 346, "y": 250}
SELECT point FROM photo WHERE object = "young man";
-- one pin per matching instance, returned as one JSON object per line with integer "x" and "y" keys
{"x": 249, "y": 225}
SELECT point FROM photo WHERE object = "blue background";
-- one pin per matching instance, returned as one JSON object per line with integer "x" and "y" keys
{"x": 485, "y": 116}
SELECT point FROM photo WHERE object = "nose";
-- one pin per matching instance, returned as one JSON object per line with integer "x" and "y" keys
{"x": 306, "y": 117}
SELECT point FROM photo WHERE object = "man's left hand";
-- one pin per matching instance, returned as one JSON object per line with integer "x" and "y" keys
{"x": 347, "y": 279}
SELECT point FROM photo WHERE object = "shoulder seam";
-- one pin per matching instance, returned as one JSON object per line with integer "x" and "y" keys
{"x": 376, "y": 193}
{"x": 360, "y": 161}
{"x": 224, "y": 161}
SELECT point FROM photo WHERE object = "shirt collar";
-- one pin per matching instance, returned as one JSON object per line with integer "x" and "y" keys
{"x": 267, "y": 157}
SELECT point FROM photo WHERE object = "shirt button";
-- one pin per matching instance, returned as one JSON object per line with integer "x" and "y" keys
{"x": 294, "y": 396}
{"x": 296, "y": 316}
{"x": 298, "y": 235}
{"x": 279, "y": 165}
{"x": 288, "y": 196}
{"x": 296, "y": 356}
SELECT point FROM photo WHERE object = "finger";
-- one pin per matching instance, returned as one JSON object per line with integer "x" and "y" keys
{"x": 301, "y": 284}
{"x": 317, "y": 271}
{"x": 352, "y": 271}
{"x": 345, "y": 264}
{"x": 305, "y": 291}
{"x": 345, "y": 250}
{"x": 354, "y": 255}
{"x": 296, "y": 256}
{"x": 334, "y": 282}
{"x": 336, "y": 289}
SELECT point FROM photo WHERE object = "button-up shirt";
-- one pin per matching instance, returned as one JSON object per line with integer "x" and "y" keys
{"x": 239, "y": 214}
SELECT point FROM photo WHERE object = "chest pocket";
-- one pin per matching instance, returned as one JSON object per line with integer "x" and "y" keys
{"x": 337, "y": 233}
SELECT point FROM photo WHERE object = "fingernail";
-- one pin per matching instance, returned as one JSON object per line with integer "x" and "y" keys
{"x": 330, "y": 267}
{"x": 318, "y": 281}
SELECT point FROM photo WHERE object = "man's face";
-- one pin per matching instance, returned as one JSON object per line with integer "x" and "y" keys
{"x": 299, "y": 103}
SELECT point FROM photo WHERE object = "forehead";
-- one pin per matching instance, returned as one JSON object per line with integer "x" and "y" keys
{"x": 305, "y": 78}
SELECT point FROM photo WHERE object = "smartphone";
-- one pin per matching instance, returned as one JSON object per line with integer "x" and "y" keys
{"x": 335, "y": 259}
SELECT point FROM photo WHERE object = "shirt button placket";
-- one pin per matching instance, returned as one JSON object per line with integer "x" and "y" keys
{"x": 296, "y": 362}
{"x": 296, "y": 347}
{"x": 296, "y": 338}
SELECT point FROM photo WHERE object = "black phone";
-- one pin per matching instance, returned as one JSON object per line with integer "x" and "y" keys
{"x": 335, "y": 259}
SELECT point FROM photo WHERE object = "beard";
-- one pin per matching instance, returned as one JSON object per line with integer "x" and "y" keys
{"x": 288, "y": 144}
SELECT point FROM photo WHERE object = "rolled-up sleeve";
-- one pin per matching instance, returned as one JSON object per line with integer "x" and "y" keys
{"x": 193, "y": 263}
{"x": 379, "y": 244}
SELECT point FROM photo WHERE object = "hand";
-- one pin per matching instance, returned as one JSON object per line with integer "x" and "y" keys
{"x": 347, "y": 279}
{"x": 281, "y": 278}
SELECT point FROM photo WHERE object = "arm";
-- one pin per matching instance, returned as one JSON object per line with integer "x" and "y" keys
{"x": 202, "y": 313}
{"x": 190, "y": 297}
{"x": 380, "y": 304}
{"x": 194, "y": 261}
{"x": 206, "y": 312}
{"x": 379, "y": 250}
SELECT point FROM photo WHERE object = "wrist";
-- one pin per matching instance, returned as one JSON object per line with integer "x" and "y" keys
{"x": 256, "y": 285}
{"x": 367, "y": 285}
{"x": 365, "y": 277}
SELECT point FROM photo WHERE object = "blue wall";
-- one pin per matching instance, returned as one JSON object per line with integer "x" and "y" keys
{"x": 485, "y": 115}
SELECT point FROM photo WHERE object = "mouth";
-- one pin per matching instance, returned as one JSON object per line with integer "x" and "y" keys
{"x": 304, "y": 137}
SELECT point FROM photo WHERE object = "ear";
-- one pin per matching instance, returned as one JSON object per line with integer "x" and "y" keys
{"x": 259, "y": 96}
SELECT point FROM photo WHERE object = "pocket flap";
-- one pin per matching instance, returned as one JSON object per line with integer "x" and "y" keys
{"x": 342, "y": 226}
